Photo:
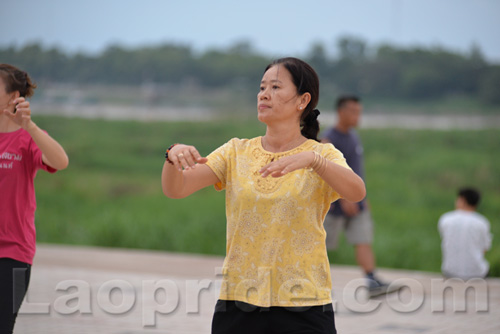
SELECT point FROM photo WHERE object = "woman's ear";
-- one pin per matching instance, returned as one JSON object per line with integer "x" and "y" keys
{"x": 304, "y": 100}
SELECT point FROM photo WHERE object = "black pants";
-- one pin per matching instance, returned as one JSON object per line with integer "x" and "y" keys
{"x": 14, "y": 281}
{"x": 240, "y": 318}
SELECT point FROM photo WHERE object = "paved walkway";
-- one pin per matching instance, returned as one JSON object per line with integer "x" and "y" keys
{"x": 114, "y": 291}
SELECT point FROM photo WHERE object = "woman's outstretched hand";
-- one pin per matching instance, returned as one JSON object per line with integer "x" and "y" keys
{"x": 288, "y": 164}
{"x": 185, "y": 156}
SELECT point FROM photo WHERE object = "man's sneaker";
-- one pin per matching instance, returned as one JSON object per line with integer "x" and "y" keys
{"x": 378, "y": 288}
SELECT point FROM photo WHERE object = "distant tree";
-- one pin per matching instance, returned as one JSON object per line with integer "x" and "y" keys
{"x": 237, "y": 66}
{"x": 243, "y": 48}
{"x": 318, "y": 59}
{"x": 43, "y": 65}
{"x": 389, "y": 72}
{"x": 489, "y": 86}
{"x": 352, "y": 48}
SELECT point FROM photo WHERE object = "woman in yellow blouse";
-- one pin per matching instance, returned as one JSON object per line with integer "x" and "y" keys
{"x": 279, "y": 188}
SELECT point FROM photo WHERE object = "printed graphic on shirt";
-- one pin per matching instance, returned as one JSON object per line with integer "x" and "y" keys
{"x": 7, "y": 160}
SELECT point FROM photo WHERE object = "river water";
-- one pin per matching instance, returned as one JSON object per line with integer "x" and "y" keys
{"x": 369, "y": 120}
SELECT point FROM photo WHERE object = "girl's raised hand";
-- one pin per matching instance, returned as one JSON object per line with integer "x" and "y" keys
{"x": 22, "y": 112}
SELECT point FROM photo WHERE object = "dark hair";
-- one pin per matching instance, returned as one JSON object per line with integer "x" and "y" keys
{"x": 470, "y": 195}
{"x": 344, "y": 99}
{"x": 17, "y": 80}
{"x": 306, "y": 80}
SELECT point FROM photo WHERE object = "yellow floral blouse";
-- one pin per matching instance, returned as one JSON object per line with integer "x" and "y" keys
{"x": 275, "y": 253}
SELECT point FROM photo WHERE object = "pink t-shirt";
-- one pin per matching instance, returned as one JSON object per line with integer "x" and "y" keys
{"x": 20, "y": 159}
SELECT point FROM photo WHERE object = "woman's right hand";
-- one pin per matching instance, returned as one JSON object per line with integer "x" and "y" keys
{"x": 185, "y": 156}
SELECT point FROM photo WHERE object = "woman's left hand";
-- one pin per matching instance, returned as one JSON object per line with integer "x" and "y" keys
{"x": 288, "y": 164}
{"x": 22, "y": 114}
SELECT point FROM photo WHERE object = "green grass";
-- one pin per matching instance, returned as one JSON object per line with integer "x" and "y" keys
{"x": 450, "y": 105}
{"x": 111, "y": 193}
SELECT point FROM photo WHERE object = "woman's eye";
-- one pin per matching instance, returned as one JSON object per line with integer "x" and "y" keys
{"x": 275, "y": 87}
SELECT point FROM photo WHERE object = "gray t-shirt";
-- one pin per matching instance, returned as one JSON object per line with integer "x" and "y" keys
{"x": 352, "y": 149}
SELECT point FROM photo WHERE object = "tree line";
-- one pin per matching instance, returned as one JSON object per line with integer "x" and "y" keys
{"x": 385, "y": 71}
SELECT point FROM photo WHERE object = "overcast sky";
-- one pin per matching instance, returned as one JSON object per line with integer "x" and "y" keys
{"x": 277, "y": 28}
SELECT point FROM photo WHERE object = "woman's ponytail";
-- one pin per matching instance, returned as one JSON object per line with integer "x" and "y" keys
{"x": 309, "y": 124}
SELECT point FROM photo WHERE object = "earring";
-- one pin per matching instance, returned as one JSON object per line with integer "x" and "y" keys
{"x": 300, "y": 108}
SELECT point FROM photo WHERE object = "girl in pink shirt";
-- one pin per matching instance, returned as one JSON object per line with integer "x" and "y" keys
{"x": 24, "y": 149}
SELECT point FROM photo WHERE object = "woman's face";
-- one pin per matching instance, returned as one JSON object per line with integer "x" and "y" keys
{"x": 277, "y": 99}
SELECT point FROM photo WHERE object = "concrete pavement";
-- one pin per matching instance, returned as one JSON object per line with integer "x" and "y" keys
{"x": 117, "y": 291}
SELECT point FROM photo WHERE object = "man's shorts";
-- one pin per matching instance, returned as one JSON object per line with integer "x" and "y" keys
{"x": 358, "y": 229}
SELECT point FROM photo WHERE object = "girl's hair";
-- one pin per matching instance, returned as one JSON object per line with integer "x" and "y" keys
{"x": 17, "y": 80}
{"x": 306, "y": 80}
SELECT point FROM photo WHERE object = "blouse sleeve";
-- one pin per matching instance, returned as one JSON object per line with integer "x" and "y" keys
{"x": 219, "y": 161}
{"x": 329, "y": 152}
{"x": 332, "y": 154}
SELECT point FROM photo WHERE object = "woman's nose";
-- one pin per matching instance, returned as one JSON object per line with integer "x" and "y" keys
{"x": 263, "y": 94}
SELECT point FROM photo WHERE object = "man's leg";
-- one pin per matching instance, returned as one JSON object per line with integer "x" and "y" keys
{"x": 359, "y": 232}
{"x": 365, "y": 257}
{"x": 333, "y": 226}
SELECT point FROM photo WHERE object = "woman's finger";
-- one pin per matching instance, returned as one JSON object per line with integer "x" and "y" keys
{"x": 182, "y": 160}
{"x": 271, "y": 168}
{"x": 197, "y": 156}
{"x": 175, "y": 160}
{"x": 281, "y": 167}
{"x": 285, "y": 169}
{"x": 190, "y": 159}
{"x": 263, "y": 169}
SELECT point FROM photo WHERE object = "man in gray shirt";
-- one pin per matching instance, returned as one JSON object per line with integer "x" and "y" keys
{"x": 354, "y": 218}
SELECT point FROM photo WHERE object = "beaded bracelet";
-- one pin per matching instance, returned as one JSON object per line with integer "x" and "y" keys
{"x": 166, "y": 153}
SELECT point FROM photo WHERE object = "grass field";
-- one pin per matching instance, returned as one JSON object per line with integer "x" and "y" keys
{"x": 111, "y": 193}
